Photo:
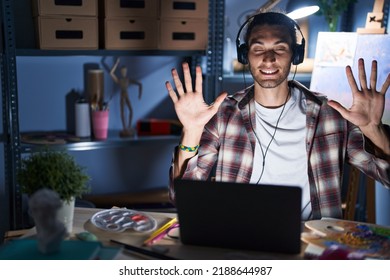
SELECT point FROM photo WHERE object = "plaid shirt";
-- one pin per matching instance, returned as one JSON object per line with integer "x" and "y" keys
{"x": 228, "y": 145}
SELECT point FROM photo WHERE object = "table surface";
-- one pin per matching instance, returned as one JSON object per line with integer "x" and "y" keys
{"x": 173, "y": 246}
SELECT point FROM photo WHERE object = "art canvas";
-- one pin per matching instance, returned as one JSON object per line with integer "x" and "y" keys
{"x": 336, "y": 50}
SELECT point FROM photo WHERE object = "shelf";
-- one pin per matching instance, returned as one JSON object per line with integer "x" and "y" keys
{"x": 15, "y": 18}
{"x": 113, "y": 141}
{"x": 39, "y": 52}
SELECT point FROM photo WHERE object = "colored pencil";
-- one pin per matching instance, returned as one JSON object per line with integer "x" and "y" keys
{"x": 160, "y": 230}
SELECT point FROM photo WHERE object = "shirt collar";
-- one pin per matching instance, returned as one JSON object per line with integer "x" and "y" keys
{"x": 244, "y": 96}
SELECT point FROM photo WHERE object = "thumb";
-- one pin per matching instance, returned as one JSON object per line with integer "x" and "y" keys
{"x": 218, "y": 101}
{"x": 338, "y": 107}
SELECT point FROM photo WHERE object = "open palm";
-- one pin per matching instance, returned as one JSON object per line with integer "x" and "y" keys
{"x": 368, "y": 104}
{"x": 191, "y": 109}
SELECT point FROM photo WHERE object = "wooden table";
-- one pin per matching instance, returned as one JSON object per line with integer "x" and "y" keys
{"x": 175, "y": 248}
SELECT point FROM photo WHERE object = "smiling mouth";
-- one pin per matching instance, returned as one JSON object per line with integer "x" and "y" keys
{"x": 268, "y": 72}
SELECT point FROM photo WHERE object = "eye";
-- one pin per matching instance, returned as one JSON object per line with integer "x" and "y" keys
{"x": 281, "y": 49}
{"x": 258, "y": 49}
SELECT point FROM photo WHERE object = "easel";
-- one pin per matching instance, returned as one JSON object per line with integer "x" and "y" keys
{"x": 374, "y": 25}
{"x": 352, "y": 196}
{"x": 375, "y": 20}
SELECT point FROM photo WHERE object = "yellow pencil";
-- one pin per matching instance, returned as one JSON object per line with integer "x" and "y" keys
{"x": 160, "y": 230}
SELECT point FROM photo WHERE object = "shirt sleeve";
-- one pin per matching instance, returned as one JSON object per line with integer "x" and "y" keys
{"x": 370, "y": 160}
{"x": 191, "y": 165}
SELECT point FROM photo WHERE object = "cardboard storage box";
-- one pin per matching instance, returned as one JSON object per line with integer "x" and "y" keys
{"x": 65, "y": 7}
{"x": 62, "y": 33}
{"x": 183, "y": 34}
{"x": 189, "y": 9}
{"x": 130, "y": 33}
{"x": 131, "y": 8}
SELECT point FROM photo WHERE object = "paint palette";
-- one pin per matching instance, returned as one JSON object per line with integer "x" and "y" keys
{"x": 119, "y": 220}
{"x": 368, "y": 240}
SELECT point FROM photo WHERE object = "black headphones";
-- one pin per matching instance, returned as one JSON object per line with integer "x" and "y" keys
{"x": 298, "y": 49}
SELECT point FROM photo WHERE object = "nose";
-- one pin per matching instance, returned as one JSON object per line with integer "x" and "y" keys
{"x": 269, "y": 56}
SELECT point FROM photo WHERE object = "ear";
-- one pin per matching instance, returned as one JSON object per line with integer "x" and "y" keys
{"x": 242, "y": 54}
{"x": 299, "y": 53}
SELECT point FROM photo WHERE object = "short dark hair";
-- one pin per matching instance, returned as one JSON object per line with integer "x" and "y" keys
{"x": 272, "y": 18}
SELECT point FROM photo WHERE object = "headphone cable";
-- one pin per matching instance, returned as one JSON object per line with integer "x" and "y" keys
{"x": 264, "y": 153}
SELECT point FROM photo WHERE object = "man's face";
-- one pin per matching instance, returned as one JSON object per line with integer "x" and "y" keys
{"x": 269, "y": 54}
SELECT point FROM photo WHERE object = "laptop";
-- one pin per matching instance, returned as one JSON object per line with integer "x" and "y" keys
{"x": 239, "y": 216}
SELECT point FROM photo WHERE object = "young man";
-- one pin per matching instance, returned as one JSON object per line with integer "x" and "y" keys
{"x": 277, "y": 131}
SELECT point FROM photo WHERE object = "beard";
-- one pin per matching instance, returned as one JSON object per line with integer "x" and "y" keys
{"x": 273, "y": 82}
{"x": 269, "y": 83}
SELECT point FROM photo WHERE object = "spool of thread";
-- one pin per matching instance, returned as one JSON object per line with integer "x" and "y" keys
{"x": 83, "y": 119}
{"x": 95, "y": 88}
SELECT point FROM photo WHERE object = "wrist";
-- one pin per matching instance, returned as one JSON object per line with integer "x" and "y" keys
{"x": 191, "y": 137}
{"x": 192, "y": 131}
{"x": 379, "y": 136}
{"x": 190, "y": 149}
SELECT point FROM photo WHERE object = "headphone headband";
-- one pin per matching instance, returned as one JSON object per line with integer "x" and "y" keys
{"x": 277, "y": 18}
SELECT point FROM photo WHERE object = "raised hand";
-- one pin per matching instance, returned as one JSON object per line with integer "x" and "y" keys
{"x": 191, "y": 109}
{"x": 368, "y": 104}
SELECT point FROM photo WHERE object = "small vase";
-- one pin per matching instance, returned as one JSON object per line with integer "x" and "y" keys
{"x": 66, "y": 213}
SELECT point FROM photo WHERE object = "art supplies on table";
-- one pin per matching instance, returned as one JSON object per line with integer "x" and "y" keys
{"x": 161, "y": 232}
{"x": 361, "y": 240}
{"x": 121, "y": 219}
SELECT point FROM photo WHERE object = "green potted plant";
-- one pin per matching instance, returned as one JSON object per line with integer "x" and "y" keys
{"x": 58, "y": 171}
{"x": 332, "y": 10}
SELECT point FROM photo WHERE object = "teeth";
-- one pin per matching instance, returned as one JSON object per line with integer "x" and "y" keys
{"x": 268, "y": 71}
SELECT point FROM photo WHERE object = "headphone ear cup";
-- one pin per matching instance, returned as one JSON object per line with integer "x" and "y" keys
{"x": 299, "y": 53}
{"x": 242, "y": 54}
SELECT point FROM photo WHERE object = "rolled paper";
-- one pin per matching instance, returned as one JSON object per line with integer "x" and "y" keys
{"x": 96, "y": 88}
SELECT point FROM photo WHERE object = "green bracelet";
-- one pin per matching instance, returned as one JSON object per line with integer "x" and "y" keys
{"x": 188, "y": 149}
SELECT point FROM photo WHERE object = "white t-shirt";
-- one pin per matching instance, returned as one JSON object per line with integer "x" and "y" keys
{"x": 284, "y": 155}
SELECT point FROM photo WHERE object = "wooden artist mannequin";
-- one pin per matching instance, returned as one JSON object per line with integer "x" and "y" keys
{"x": 124, "y": 82}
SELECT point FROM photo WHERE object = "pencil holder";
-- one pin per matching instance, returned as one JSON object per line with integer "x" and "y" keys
{"x": 100, "y": 124}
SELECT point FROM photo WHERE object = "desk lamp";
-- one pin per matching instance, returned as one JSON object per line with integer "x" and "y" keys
{"x": 301, "y": 9}
{"x": 295, "y": 9}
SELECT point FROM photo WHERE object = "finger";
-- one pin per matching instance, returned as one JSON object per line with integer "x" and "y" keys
{"x": 199, "y": 80}
{"x": 339, "y": 108}
{"x": 187, "y": 77}
{"x": 177, "y": 81}
{"x": 351, "y": 79}
{"x": 218, "y": 101}
{"x": 362, "y": 74}
{"x": 171, "y": 92}
{"x": 385, "y": 85}
{"x": 374, "y": 73}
